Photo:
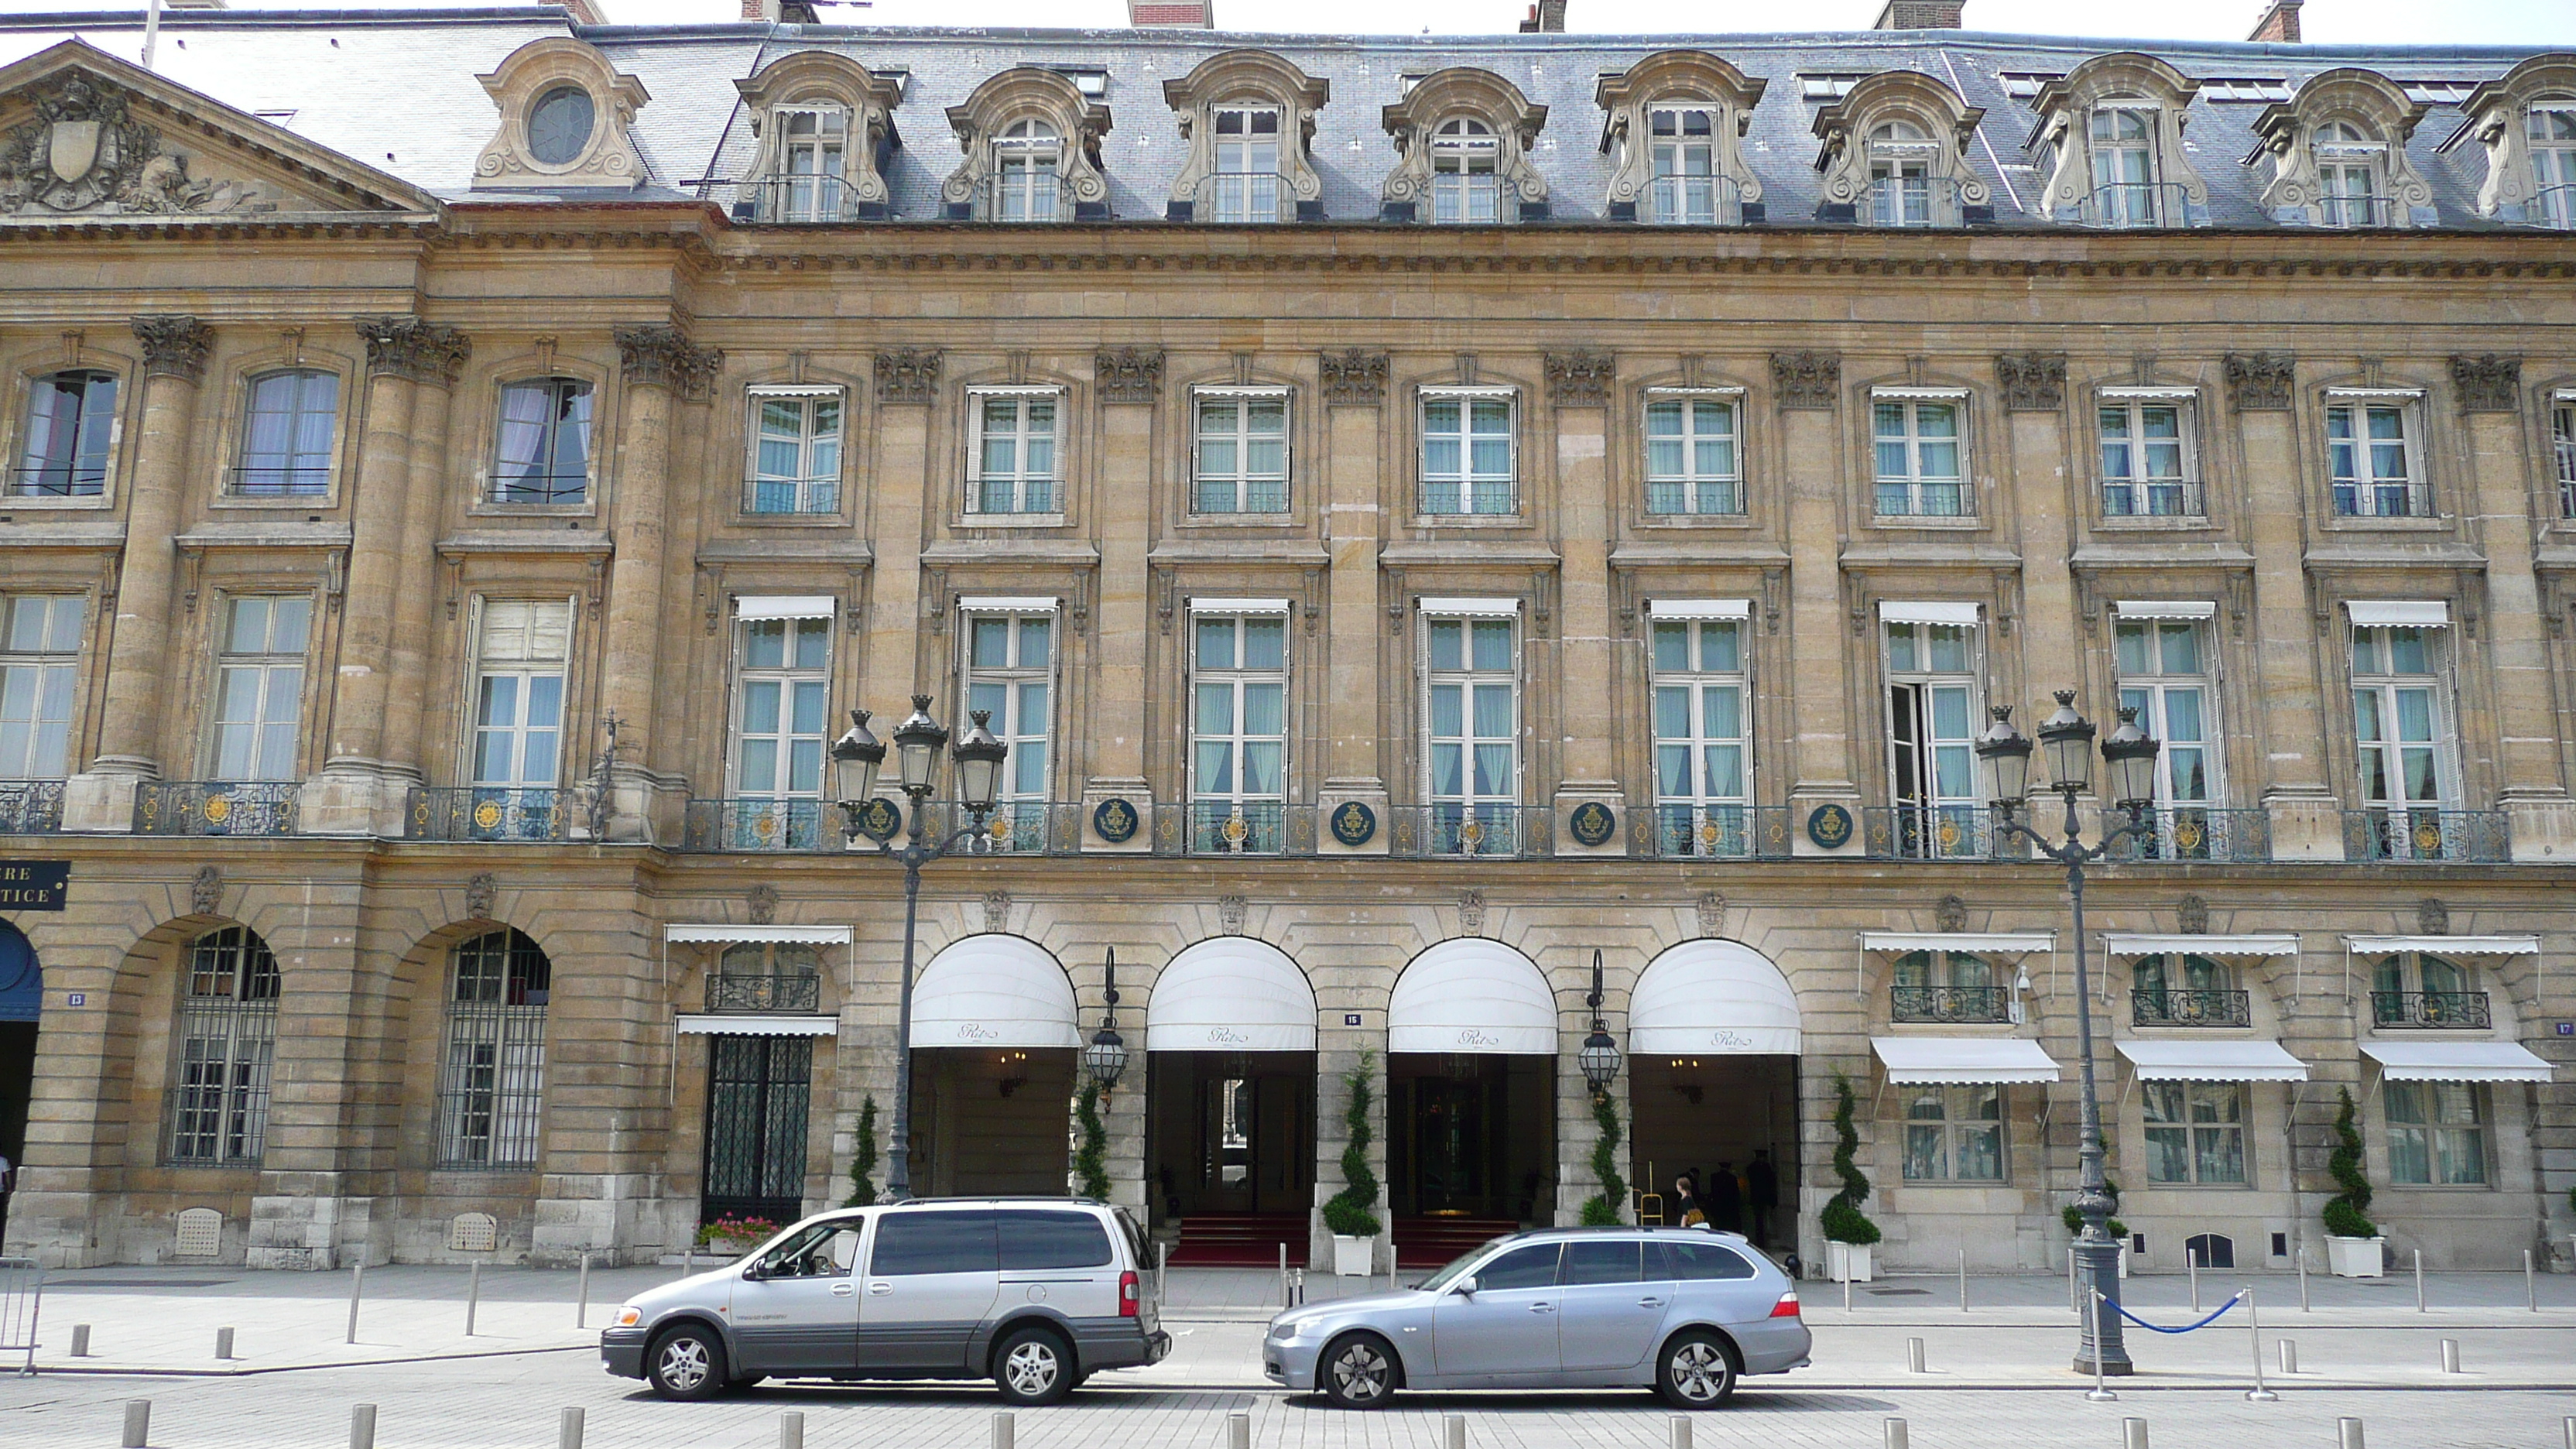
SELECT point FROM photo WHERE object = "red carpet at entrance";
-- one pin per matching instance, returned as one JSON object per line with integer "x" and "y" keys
{"x": 1240, "y": 1240}
{"x": 1433, "y": 1242}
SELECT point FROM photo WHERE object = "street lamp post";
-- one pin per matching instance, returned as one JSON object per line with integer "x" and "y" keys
{"x": 2131, "y": 756}
{"x": 857, "y": 756}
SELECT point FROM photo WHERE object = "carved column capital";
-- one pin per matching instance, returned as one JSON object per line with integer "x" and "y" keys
{"x": 1353, "y": 378}
{"x": 174, "y": 346}
{"x": 2033, "y": 382}
{"x": 2488, "y": 384}
{"x": 1580, "y": 379}
{"x": 662, "y": 356}
{"x": 908, "y": 375}
{"x": 1806, "y": 379}
{"x": 1128, "y": 374}
{"x": 406, "y": 347}
{"x": 2260, "y": 381}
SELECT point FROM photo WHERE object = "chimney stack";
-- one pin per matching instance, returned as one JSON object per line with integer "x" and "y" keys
{"x": 1547, "y": 17}
{"x": 2279, "y": 25}
{"x": 781, "y": 12}
{"x": 1171, "y": 14}
{"x": 1920, "y": 15}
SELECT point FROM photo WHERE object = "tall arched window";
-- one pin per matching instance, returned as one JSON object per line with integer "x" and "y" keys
{"x": 492, "y": 1075}
{"x": 2417, "y": 989}
{"x": 766, "y": 976}
{"x": 1463, "y": 187}
{"x": 1900, "y": 174}
{"x": 1025, "y": 158}
{"x": 227, "y": 1038}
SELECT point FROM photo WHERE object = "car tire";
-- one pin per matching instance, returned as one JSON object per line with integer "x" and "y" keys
{"x": 1696, "y": 1370}
{"x": 687, "y": 1363}
{"x": 1357, "y": 1372}
{"x": 1033, "y": 1366}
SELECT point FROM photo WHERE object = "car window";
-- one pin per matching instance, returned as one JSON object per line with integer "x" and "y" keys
{"x": 824, "y": 1250}
{"x": 1696, "y": 1261}
{"x": 1613, "y": 1262}
{"x": 1530, "y": 1267}
{"x": 1036, "y": 1239}
{"x": 934, "y": 1242}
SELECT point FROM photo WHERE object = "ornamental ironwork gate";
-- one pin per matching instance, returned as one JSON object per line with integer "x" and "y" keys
{"x": 758, "y": 1089}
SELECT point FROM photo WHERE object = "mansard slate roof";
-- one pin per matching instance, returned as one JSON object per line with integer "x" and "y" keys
{"x": 397, "y": 90}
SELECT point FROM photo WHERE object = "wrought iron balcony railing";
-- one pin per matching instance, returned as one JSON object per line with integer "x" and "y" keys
{"x": 31, "y": 807}
{"x": 2452, "y": 1010}
{"x": 785, "y": 200}
{"x": 2472, "y": 836}
{"x": 1710, "y": 832}
{"x": 1913, "y": 201}
{"x": 1949, "y": 1004}
{"x": 1471, "y": 830}
{"x": 2193, "y": 832}
{"x": 2190, "y": 1008}
{"x": 2152, "y": 497}
{"x": 1693, "y": 201}
{"x": 59, "y": 480}
{"x": 1231, "y": 827}
{"x": 494, "y": 812}
{"x": 760, "y": 825}
{"x": 777, "y": 497}
{"x": 1244, "y": 196}
{"x": 2554, "y": 207}
{"x": 280, "y": 480}
{"x": 214, "y": 807}
{"x": 2356, "y": 211}
{"x": 1927, "y": 832}
{"x": 2133, "y": 205}
{"x": 728, "y": 992}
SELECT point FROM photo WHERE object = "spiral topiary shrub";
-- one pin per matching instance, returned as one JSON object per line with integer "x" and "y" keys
{"x": 1602, "y": 1209}
{"x": 1842, "y": 1220}
{"x": 2347, "y": 1213}
{"x": 1091, "y": 1158}
{"x": 1347, "y": 1213}
{"x": 863, "y": 1157}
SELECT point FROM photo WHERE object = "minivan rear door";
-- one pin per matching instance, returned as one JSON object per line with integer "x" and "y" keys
{"x": 931, "y": 1278}
{"x": 1060, "y": 1257}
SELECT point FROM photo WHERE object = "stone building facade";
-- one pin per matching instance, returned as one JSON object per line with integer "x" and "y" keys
{"x": 1427, "y": 517}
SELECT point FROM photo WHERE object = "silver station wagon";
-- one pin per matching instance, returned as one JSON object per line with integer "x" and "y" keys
{"x": 1683, "y": 1311}
{"x": 1033, "y": 1293}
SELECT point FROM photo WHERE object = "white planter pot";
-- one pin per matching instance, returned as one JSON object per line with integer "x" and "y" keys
{"x": 1847, "y": 1262}
{"x": 1353, "y": 1257}
{"x": 2124, "y": 1260}
{"x": 2356, "y": 1257}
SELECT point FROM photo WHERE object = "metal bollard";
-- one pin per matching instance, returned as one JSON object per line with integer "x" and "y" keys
{"x": 1679, "y": 1431}
{"x": 2530, "y": 1285}
{"x": 2074, "y": 1299}
{"x": 2348, "y": 1434}
{"x": 2259, "y": 1394}
{"x": 223, "y": 1343}
{"x": 1914, "y": 1356}
{"x": 2101, "y": 1393}
{"x": 1163, "y": 1271}
{"x": 2303, "y": 1278}
{"x": 1284, "y": 1300}
{"x": 1847, "y": 1282}
{"x": 80, "y": 1340}
{"x": 2419, "y": 1282}
{"x": 568, "y": 1435}
{"x": 1894, "y": 1429}
{"x": 791, "y": 1430}
{"x": 1453, "y": 1429}
{"x": 689, "y": 1259}
{"x": 2191, "y": 1258}
{"x": 1963, "y": 1280}
{"x": 473, "y": 1293}
{"x": 2133, "y": 1434}
{"x": 357, "y": 1285}
{"x": 1006, "y": 1431}
{"x": 362, "y": 1426}
{"x": 138, "y": 1423}
{"x": 581, "y": 1308}
{"x": 2450, "y": 1355}
{"x": 2289, "y": 1357}
{"x": 1238, "y": 1430}
{"x": 2567, "y": 1428}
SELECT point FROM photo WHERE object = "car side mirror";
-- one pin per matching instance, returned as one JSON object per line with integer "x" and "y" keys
{"x": 1466, "y": 1287}
{"x": 751, "y": 1273}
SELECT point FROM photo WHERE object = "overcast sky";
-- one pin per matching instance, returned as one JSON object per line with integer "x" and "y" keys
{"x": 2491, "y": 22}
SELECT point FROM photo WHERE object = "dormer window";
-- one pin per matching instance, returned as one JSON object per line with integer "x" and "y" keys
{"x": 559, "y": 125}
{"x": 2338, "y": 152}
{"x": 1900, "y": 175}
{"x": 1672, "y": 124}
{"x": 1685, "y": 162}
{"x": 2348, "y": 165}
{"x": 811, "y": 149}
{"x": 1032, "y": 144}
{"x": 2525, "y": 120}
{"x": 1024, "y": 171}
{"x": 2110, "y": 136}
{"x": 1245, "y": 184}
{"x": 2124, "y": 167}
{"x": 1463, "y": 192}
{"x": 1464, "y": 138}
{"x": 2551, "y": 128}
{"x": 826, "y": 127}
{"x": 1249, "y": 118}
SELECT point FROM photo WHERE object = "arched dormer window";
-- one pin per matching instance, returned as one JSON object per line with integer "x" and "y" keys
{"x": 1895, "y": 154}
{"x": 2110, "y": 136}
{"x": 1032, "y": 144}
{"x": 2526, "y": 119}
{"x": 1464, "y": 136}
{"x": 566, "y": 114}
{"x": 826, "y": 129}
{"x": 1673, "y": 126}
{"x": 1249, "y": 117}
{"x": 2338, "y": 149}
{"x": 2551, "y": 129}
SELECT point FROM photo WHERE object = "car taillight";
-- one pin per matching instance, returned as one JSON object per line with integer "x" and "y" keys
{"x": 1787, "y": 1307}
{"x": 1131, "y": 1296}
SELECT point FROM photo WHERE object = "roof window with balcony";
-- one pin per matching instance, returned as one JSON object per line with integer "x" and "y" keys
{"x": 1032, "y": 143}
{"x": 1894, "y": 154}
{"x": 826, "y": 130}
{"x": 1249, "y": 118}
{"x": 2526, "y": 119}
{"x": 1463, "y": 138}
{"x": 2338, "y": 151}
{"x": 1673, "y": 124}
{"x": 2110, "y": 136}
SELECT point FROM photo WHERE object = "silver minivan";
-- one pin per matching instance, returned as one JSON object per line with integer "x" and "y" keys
{"x": 1034, "y": 1293}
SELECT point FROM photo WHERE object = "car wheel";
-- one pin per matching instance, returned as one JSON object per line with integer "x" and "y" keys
{"x": 687, "y": 1363}
{"x": 1357, "y": 1372}
{"x": 1697, "y": 1371}
{"x": 1032, "y": 1366}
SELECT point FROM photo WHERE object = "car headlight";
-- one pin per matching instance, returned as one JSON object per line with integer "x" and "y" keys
{"x": 629, "y": 1316}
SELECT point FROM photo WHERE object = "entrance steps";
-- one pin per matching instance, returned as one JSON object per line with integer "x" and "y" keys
{"x": 1434, "y": 1242}
{"x": 1240, "y": 1240}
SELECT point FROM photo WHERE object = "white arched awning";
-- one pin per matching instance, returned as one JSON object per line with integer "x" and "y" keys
{"x": 1472, "y": 995}
{"x": 993, "y": 991}
{"x": 1231, "y": 994}
{"x": 1713, "y": 997}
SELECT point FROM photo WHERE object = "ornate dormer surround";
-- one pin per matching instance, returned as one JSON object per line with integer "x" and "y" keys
{"x": 1024, "y": 93}
{"x": 2371, "y": 104}
{"x": 1463, "y": 91}
{"x": 1913, "y": 98}
{"x": 531, "y": 88}
{"x": 1676, "y": 77}
{"x": 1249, "y": 78}
{"x": 2499, "y": 114}
{"x": 813, "y": 79}
{"x": 2146, "y": 88}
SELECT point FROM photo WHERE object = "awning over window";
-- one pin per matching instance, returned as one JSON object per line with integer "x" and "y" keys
{"x": 1008, "y": 604}
{"x": 771, "y": 606}
{"x": 2121, "y": 943}
{"x": 993, "y": 991}
{"x": 1963, "y": 1060}
{"x": 1471, "y": 995}
{"x": 1238, "y": 606}
{"x": 1718, "y": 998}
{"x": 1231, "y": 994}
{"x": 2213, "y": 1061}
{"x": 759, "y": 1025}
{"x": 2446, "y": 945}
{"x": 2456, "y": 1061}
{"x": 717, "y": 931}
{"x": 1473, "y": 608}
{"x": 1699, "y": 608}
{"x": 2007, "y": 942}
{"x": 2419, "y": 614}
{"x": 1934, "y": 611}
{"x": 2165, "y": 609}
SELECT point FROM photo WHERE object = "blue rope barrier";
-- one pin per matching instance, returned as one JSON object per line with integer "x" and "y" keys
{"x": 2186, "y": 1328}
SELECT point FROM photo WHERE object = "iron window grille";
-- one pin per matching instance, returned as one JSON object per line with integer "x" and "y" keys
{"x": 492, "y": 1076}
{"x": 227, "y": 1042}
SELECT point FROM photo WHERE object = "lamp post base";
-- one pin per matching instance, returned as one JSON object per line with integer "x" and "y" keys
{"x": 2099, "y": 1349}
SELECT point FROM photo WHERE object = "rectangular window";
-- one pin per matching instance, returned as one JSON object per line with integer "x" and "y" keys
{"x": 71, "y": 423}
{"x": 1010, "y": 661}
{"x": 1693, "y": 464}
{"x": 40, "y": 638}
{"x": 1464, "y": 189}
{"x": 1917, "y": 445}
{"x": 2399, "y": 723}
{"x": 811, "y": 152}
{"x": 1703, "y": 738}
{"x": 2147, "y": 459}
{"x": 1238, "y": 732}
{"x": 2370, "y": 453}
{"x": 227, "y": 1044}
{"x": 2348, "y": 182}
{"x": 2436, "y": 1134}
{"x": 1932, "y": 713}
{"x": 1954, "y": 1134}
{"x": 1685, "y": 165}
{"x": 2195, "y": 1132}
{"x": 1016, "y": 468}
{"x": 2562, "y": 435}
{"x": 1024, "y": 185}
{"x": 286, "y": 435}
{"x": 1467, "y": 453}
{"x": 1471, "y": 699}
{"x": 781, "y": 710}
{"x": 1244, "y": 187}
{"x": 2124, "y": 168}
{"x": 795, "y": 454}
{"x": 1242, "y": 453}
{"x": 544, "y": 443}
{"x": 518, "y": 691}
{"x": 259, "y": 686}
{"x": 2165, "y": 675}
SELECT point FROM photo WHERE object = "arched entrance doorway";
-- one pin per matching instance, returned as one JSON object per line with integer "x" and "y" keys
{"x": 994, "y": 1047}
{"x": 1713, "y": 1039}
{"x": 1471, "y": 1099}
{"x": 22, "y": 1000}
{"x": 1230, "y": 1057}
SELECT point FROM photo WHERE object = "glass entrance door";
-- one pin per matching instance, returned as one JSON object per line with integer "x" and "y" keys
{"x": 1450, "y": 1149}
{"x": 758, "y": 1091}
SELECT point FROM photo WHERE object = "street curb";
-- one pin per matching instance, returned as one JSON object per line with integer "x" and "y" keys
{"x": 45, "y": 1370}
